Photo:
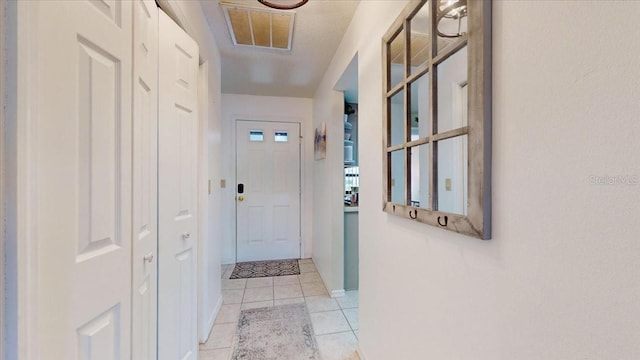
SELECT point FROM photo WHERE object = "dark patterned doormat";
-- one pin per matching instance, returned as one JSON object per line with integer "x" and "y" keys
{"x": 275, "y": 333}
{"x": 255, "y": 269}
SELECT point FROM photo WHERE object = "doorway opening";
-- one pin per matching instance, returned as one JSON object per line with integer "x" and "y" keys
{"x": 348, "y": 84}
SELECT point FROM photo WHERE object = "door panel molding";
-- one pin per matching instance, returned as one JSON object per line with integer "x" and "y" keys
{"x": 236, "y": 117}
{"x": 177, "y": 191}
{"x": 48, "y": 216}
{"x": 145, "y": 181}
{"x": 271, "y": 198}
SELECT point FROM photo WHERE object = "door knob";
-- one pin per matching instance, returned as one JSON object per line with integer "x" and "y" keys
{"x": 148, "y": 257}
{"x": 240, "y": 198}
{"x": 185, "y": 236}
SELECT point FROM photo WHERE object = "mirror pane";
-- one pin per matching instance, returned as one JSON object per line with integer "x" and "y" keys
{"x": 397, "y": 176}
{"x": 452, "y": 92}
{"x": 397, "y": 118}
{"x": 452, "y": 175}
{"x": 452, "y": 22}
{"x": 396, "y": 60}
{"x": 420, "y": 38}
{"x": 420, "y": 176}
{"x": 419, "y": 102}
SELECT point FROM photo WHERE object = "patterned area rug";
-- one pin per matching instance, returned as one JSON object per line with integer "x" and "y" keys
{"x": 275, "y": 333}
{"x": 255, "y": 269}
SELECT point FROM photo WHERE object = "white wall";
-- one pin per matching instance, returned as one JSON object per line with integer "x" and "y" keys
{"x": 560, "y": 277}
{"x": 267, "y": 108}
{"x": 328, "y": 187}
{"x": 190, "y": 16}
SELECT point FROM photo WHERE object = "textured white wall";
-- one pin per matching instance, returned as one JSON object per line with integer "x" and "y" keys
{"x": 268, "y": 108}
{"x": 328, "y": 189}
{"x": 560, "y": 277}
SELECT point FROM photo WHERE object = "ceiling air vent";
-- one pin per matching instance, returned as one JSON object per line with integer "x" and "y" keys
{"x": 261, "y": 28}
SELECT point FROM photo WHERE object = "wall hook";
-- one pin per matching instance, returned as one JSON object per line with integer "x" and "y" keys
{"x": 446, "y": 220}
{"x": 413, "y": 214}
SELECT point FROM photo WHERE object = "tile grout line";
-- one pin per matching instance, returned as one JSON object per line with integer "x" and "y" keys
{"x": 348, "y": 322}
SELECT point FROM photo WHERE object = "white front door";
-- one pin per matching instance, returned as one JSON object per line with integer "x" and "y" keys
{"x": 145, "y": 180}
{"x": 81, "y": 171}
{"x": 267, "y": 190}
{"x": 177, "y": 191}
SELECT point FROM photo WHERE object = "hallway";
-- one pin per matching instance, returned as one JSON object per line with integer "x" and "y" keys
{"x": 335, "y": 321}
{"x": 119, "y": 182}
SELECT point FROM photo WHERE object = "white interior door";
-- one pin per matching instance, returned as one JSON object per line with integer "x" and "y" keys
{"x": 145, "y": 180}
{"x": 177, "y": 191}
{"x": 82, "y": 177}
{"x": 268, "y": 206}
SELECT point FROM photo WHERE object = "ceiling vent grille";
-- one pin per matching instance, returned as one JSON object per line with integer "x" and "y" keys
{"x": 261, "y": 28}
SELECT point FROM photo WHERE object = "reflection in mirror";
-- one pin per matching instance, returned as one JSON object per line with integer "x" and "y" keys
{"x": 420, "y": 117}
{"x": 420, "y": 176}
{"x": 435, "y": 58}
{"x": 397, "y": 119}
{"x": 419, "y": 44}
{"x": 396, "y": 55}
{"x": 452, "y": 92}
{"x": 452, "y": 175}
{"x": 397, "y": 176}
{"x": 452, "y": 22}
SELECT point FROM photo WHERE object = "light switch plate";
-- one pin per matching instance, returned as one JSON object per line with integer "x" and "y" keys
{"x": 447, "y": 184}
{"x": 223, "y": 183}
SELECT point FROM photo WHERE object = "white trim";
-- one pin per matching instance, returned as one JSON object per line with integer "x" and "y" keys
{"x": 232, "y": 180}
{"x": 360, "y": 352}
{"x": 205, "y": 336}
{"x": 337, "y": 293}
{"x": 26, "y": 178}
{"x": 3, "y": 240}
{"x": 204, "y": 238}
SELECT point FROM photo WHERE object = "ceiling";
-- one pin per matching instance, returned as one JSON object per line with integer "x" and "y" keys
{"x": 319, "y": 27}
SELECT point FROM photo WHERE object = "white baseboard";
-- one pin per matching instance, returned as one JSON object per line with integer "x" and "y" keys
{"x": 337, "y": 293}
{"x": 211, "y": 320}
{"x": 360, "y": 352}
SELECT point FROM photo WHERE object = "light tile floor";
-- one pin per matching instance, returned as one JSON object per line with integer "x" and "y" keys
{"x": 335, "y": 321}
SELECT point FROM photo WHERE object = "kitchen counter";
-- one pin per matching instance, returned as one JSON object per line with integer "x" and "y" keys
{"x": 351, "y": 209}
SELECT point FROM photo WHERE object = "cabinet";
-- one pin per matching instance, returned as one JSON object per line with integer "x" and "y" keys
{"x": 348, "y": 144}
{"x": 351, "y": 138}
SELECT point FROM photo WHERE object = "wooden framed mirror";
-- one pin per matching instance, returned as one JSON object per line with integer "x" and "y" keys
{"x": 437, "y": 115}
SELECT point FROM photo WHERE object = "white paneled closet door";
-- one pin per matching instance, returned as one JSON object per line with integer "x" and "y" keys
{"x": 81, "y": 176}
{"x": 145, "y": 180}
{"x": 177, "y": 189}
